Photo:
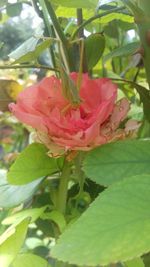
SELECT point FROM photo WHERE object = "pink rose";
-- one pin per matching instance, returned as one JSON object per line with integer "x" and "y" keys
{"x": 61, "y": 126}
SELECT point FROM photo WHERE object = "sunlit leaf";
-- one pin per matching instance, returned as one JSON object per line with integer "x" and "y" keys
{"x": 28, "y": 260}
{"x": 115, "y": 228}
{"x": 112, "y": 162}
{"x": 33, "y": 163}
{"x": 11, "y": 242}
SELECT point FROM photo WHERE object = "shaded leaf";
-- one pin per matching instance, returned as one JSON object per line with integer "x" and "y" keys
{"x": 12, "y": 195}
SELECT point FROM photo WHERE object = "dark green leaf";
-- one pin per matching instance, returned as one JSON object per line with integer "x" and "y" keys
{"x": 94, "y": 48}
{"x": 112, "y": 162}
{"x": 31, "y": 164}
{"x": 115, "y": 228}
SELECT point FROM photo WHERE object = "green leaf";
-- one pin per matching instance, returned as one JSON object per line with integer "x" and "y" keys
{"x": 77, "y": 3}
{"x": 14, "y": 9}
{"x": 68, "y": 12}
{"x": 112, "y": 162}
{"x": 11, "y": 195}
{"x": 11, "y": 242}
{"x": 115, "y": 228}
{"x": 135, "y": 263}
{"x": 123, "y": 51}
{"x": 30, "y": 260}
{"x": 25, "y": 48}
{"x": 33, "y": 55}
{"x": 31, "y": 164}
{"x": 94, "y": 48}
{"x": 16, "y": 218}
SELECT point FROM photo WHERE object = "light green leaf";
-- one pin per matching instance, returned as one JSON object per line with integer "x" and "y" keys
{"x": 12, "y": 195}
{"x": 135, "y": 263}
{"x": 123, "y": 51}
{"x": 31, "y": 164}
{"x": 115, "y": 228}
{"x": 33, "y": 55}
{"x": 14, "y": 9}
{"x": 11, "y": 242}
{"x": 25, "y": 48}
{"x": 117, "y": 15}
{"x": 76, "y": 4}
{"x": 16, "y": 218}
{"x": 30, "y": 260}
{"x": 112, "y": 162}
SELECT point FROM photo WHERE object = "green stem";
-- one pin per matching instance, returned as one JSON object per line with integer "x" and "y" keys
{"x": 29, "y": 67}
{"x": 94, "y": 18}
{"x": 56, "y": 24}
{"x": 63, "y": 188}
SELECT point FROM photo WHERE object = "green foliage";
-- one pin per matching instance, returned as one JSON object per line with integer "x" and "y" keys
{"x": 76, "y": 4}
{"x": 11, "y": 242}
{"x": 33, "y": 163}
{"x": 12, "y": 195}
{"x": 112, "y": 162}
{"x": 108, "y": 229}
{"x": 94, "y": 48}
{"x": 123, "y": 51}
{"x": 135, "y": 263}
{"x": 28, "y": 260}
{"x": 13, "y": 34}
{"x": 32, "y": 55}
{"x": 65, "y": 200}
{"x": 14, "y": 9}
